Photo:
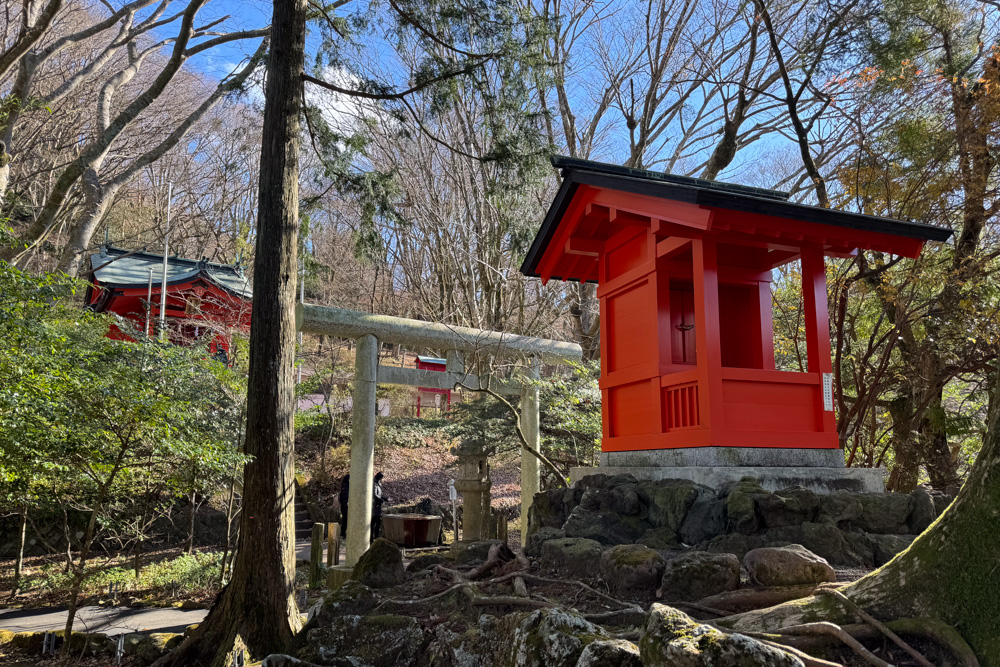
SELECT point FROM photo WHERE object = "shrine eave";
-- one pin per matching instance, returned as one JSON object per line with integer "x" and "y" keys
{"x": 752, "y": 209}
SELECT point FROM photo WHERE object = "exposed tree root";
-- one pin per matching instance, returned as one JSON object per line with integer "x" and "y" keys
{"x": 510, "y": 601}
{"x": 878, "y": 625}
{"x": 611, "y": 616}
{"x": 807, "y": 660}
{"x": 835, "y": 630}
{"x": 698, "y": 607}
{"x": 575, "y": 582}
{"x": 929, "y": 629}
{"x": 746, "y": 599}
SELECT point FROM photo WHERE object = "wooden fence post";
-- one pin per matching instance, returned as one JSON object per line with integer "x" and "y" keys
{"x": 332, "y": 544}
{"x": 316, "y": 557}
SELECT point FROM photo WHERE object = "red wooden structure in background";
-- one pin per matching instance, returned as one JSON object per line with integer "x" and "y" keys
{"x": 205, "y": 301}
{"x": 684, "y": 272}
{"x": 432, "y": 364}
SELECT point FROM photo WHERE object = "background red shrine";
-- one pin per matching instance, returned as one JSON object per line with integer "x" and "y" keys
{"x": 206, "y": 302}
{"x": 684, "y": 273}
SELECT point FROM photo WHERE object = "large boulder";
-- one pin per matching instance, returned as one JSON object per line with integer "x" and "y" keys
{"x": 381, "y": 566}
{"x": 572, "y": 556}
{"x": 553, "y": 638}
{"x": 705, "y": 519}
{"x": 605, "y": 527}
{"x": 698, "y": 574}
{"x": 377, "y": 640}
{"x": 541, "y": 536}
{"x": 884, "y": 513}
{"x": 610, "y": 653}
{"x": 741, "y": 505}
{"x": 787, "y": 566}
{"x": 672, "y": 639}
{"x": 668, "y": 501}
{"x": 788, "y": 507}
{"x": 632, "y": 570}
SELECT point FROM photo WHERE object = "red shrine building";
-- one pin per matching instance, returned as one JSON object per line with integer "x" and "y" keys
{"x": 432, "y": 364}
{"x": 206, "y": 302}
{"x": 683, "y": 268}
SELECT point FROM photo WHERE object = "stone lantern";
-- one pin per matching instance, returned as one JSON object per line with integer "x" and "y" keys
{"x": 474, "y": 484}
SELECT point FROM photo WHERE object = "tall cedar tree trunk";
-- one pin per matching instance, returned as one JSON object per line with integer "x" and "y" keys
{"x": 258, "y": 605}
{"x": 949, "y": 573}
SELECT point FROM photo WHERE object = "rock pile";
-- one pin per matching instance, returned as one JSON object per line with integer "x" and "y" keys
{"x": 845, "y": 529}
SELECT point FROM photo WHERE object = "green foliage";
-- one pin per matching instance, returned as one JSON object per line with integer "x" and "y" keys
{"x": 570, "y": 412}
{"x": 101, "y": 426}
{"x": 187, "y": 574}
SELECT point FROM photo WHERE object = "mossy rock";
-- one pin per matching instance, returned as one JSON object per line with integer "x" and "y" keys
{"x": 610, "y": 653}
{"x": 30, "y": 642}
{"x": 885, "y": 547}
{"x": 604, "y": 527}
{"x": 787, "y": 507}
{"x": 884, "y": 513}
{"x": 541, "y": 536}
{"x": 351, "y": 598}
{"x": 632, "y": 569}
{"x": 741, "y": 505}
{"x": 659, "y": 538}
{"x": 841, "y": 508}
{"x": 148, "y": 648}
{"x": 572, "y": 556}
{"x": 385, "y": 640}
{"x": 668, "y": 501}
{"x": 922, "y": 510}
{"x": 381, "y": 566}
{"x": 553, "y": 638}
{"x": 787, "y": 566}
{"x": 698, "y": 574}
{"x": 672, "y": 639}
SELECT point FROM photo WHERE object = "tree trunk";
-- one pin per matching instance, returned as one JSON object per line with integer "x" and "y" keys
{"x": 949, "y": 573}
{"x": 905, "y": 471}
{"x": 15, "y": 586}
{"x": 192, "y": 512}
{"x": 258, "y": 605}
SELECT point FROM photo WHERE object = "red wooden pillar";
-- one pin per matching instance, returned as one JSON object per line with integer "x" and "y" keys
{"x": 816, "y": 314}
{"x": 708, "y": 343}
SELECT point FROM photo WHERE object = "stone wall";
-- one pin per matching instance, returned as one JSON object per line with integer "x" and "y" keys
{"x": 847, "y": 529}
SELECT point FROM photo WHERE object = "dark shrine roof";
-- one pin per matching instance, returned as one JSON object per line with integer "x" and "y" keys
{"x": 577, "y": 173}
{"x": 126, "y": 269}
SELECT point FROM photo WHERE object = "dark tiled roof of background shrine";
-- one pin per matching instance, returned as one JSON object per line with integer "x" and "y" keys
{"x": 702, "y": 192}
{"x": 116, "y": 267}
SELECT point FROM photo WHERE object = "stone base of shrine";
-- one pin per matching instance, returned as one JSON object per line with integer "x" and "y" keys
{"x": 772, "y": 478}
{"x": 740, "y": 457}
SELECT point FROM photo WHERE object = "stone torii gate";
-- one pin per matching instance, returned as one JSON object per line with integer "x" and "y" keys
{"x": 368, "y": 331}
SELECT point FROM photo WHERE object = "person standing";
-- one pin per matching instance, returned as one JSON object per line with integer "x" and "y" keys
{"x": 345, "y": 492}
{"x": 378, "y": 497}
